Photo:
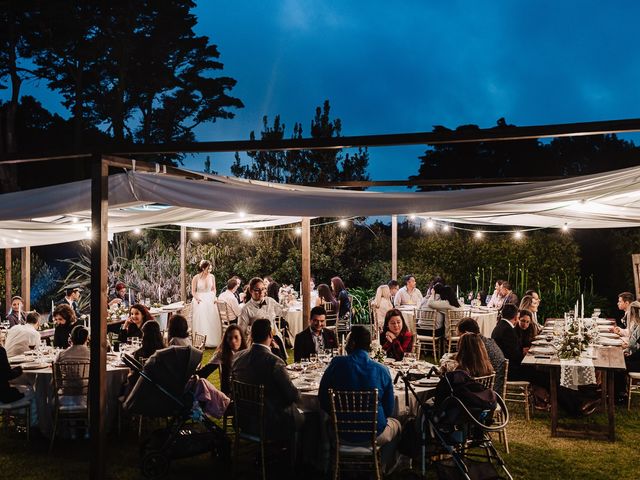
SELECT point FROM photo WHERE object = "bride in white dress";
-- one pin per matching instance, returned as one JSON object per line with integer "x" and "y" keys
{"x": 205, "y": 319}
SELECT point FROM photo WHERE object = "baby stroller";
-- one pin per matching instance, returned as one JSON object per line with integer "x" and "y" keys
{"x": 163, "y": 390}
{"x": 453, "y": 431}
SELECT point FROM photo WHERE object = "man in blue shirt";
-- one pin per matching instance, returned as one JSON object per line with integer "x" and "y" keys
{"x": 357, "y": 371}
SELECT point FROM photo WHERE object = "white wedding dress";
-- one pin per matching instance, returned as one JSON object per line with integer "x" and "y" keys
{"x": 205, "y": 316}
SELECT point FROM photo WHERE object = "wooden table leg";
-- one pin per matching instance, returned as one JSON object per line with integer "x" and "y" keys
{"x": 611, "y": 412}
{"x": 554, "y": 378}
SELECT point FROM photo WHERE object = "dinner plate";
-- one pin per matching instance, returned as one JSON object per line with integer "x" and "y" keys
{"x": 609, "y": 335}
{"x": 423, "y": 382}
{"x": 307, "y": 387}
{"x": 603, "y": 321}
{"x": 34, "y": 366}
{"x": 18, "y": 359}
{"x": 615, "y": 342}
{"x": 540, "y": 342}
{"x": 542, "y": 350}
{"x": 604, "y": 328}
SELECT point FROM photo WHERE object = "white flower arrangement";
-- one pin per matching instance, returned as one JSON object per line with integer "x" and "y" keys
{"x": 116, "y": 311}
{"x": 578, "y": 335}
{"x": 377, "y": 352}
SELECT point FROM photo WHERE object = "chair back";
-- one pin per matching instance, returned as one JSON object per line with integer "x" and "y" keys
{"x": 486, "y": 381}
{"x": 199, "y": 341}
{"x": 452, "y": 318}
{"x": 505, "y": 369}
{"x": 226, "y": 314}
{"x": 426, "y": 319}
{"x": 248, "y": 401}
{"x": 354, "y": 413}
{"x": 71, "y": 381}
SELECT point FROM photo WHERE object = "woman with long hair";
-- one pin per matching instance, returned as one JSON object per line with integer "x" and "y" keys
{"x": 232, "y": 343}
{"x": 472, "y": 356}
{"x": 273, "y": 290}
{"x": 178, "y": 331}
{"x": 132, "y": 327}
{"x": 530, "y": 304}
{"x": 151, "y": 340}
{"x": 205, "y": 316}
{"x": 381, "y": 305}
{"x": 325, "y": 295}
{"x": 65, "y": 319}
{"x": 396, "y": 338}
{"x": 442, "y": 298}
{"x": 342, "y": 295}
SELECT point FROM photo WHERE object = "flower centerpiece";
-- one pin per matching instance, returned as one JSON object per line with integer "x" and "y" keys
{"x": 377, "y": 352}
{"x": 116, "y": 312}
{"x": 577, "y": 336}
{"x": 286, "y": 294}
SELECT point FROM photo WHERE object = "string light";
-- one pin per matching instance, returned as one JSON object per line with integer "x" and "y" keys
{"x": 214, "y": 231}
{"x": 412, "y": 217}
{"x": 242, "y": 214}
{"x": 298, "y": 231}
{"x": 565, "y": 227}
{"x": 195, "y": 235}
{"x": 247, "y": 232}
{"x": 74, "y": 219}
{"x": 446, "y": 227}
{"x": 342, "y": 223}
{"x": 137, "y": 231}
{"x": 518, "y": 235}
{"x": 478, "y": 234}
{"x": 430, "y": 224}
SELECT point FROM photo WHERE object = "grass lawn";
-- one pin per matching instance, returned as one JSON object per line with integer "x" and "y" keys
{"x": 534, "y": 454}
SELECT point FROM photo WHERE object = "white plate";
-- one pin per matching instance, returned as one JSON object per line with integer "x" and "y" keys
{"x": 34, "y": 366}
{"x": 427, "y": 382}
{"x": 542, "y": 350}
{"x": 609, "y": 335}
{"x": 615, "y": 342}
{"x": 604, "y": 328}
{"x": 604, "y": 321}
{"x": 18, "y": 359}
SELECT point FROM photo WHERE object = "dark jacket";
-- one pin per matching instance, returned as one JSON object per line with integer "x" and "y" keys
{"x": 61, "y": 335}
{"x": 507, "y": 339}
{"x": 12, "y": 318}
{"x": 8, "y": 394}
{"x": 305, "y": 346}
{"x": 131, "y": 331}
{"x": 258, "y": 366}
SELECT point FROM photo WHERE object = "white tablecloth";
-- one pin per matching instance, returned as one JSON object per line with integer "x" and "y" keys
{"x": 294, "y": 318}
{"x": 486, "y": 320}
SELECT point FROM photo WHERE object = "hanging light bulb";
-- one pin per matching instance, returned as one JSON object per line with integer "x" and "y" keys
{"x": 242, "y": 214}
{"x": 446, "y": 227}
{"x": 137, "y": 231}
{"x": 565, "y": 227}
{"x": 412, "y": 216}
{"x": 195, "y": 235}
{"x": 478, "y": 234}
{"x": 214, "y": 231}
{"x": 430, "y": 224}
{"x": 517, "y": 235}
{"x": 247, "y": 232}
{"x": 298, "y": 231}
{"x": 342, "y": 223}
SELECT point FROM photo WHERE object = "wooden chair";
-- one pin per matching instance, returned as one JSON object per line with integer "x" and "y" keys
{"x": 452, "y": 318}
{"x": 331, "y": 317}
{"x": 426, "y": 332}
{"x": 486, "y": 381}
{"x": 17, "y": 414}
{"x": 199, "y": 341}
{"x": 226, "y": 315}
{"x": 518, "y": 392}
{"x": 499, "y": 414}
{"x": 248, "y": 403}
{"x": 70, "y": 401}
{"x": 633, "y": 386}
{"x": 355, "y": 412}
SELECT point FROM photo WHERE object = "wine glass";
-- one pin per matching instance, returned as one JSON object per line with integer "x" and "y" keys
{"x": 410, "y": 358}
{"x": 313, "y": 358}
{"x": 168, "y": 300}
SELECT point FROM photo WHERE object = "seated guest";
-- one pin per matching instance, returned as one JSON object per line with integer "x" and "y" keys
{"x": 526, "y": 330}
{"x": 342, "y": 295}
{"x": 78, "y": 350}
{"x": 496, "y": 357}
{"x": 435, "y": 280}
{"x": 442, "y": 299}
{"x": 258, "y": 366}
{"x": 409, "y": 294}
{"x": 8, "y": 393}
{"x": 260, "y": 306}
{"x": 316, "y": 338}
{"x": 132, "y": 327}
{"x": 229, "y": 296}
{"x": 273, "y": 290}
{"x": 530, "y": 304}
{"x": 496, "y": 300}
{"x": 394, "y": 286}
{"x": 17, "y": 315}
{"x": 232, "y": 343}
{"x": 151, "y": 340}
{"x": 65, "y": 319}
{"x": 120, "y": 296}
{"x": 396, "y": 338}
{"x": 325, "y": 295}
{"x": 631, "y": 351}
{"x": 21, "y": 337}
{"x": 624, "y": 303}
{"x": 505, "y": 336}
{"x": 357, "y": 371}
{"x": 381, "y": 305}
{"x": 471, "y": 356}
{"x": 508, "y": 297}
{"x": 178, "y": 331}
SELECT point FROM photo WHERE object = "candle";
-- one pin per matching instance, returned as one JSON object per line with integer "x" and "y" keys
{"x": 20, "y": 313}
{"x": 130, "y": 303}
{"x": 575, "y": 311}
{"x": 159, "y": 295}
{"x": 52, "y": 308}
{"x": 457, "y": 291}
{"x": 582, "y": 306}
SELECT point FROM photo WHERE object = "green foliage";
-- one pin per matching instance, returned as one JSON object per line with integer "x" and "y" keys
{"x": 44, "y": 281}
{"x": 361, "y": 297}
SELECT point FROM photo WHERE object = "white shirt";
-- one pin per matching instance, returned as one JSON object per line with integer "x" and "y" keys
{"x": 253, "y": 311}
{"x": 403, "y": 297}
{"x": 19, "y": 338}
{"x": 230, "y": 299}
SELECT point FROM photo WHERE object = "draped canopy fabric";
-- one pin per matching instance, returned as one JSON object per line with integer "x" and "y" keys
{"x": 61, "y": 213}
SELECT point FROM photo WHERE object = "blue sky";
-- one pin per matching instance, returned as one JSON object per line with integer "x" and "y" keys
{"x": 393, "y": 67}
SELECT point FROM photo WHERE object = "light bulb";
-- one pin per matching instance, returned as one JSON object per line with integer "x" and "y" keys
{"x": 478, "y": 234}
{"x": 342, "y": 223}
{"x": 298, "y": 231}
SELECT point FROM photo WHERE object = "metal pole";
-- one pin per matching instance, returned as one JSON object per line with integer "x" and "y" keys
{"x": 7, "y": 279}
{"x": 394, "y": 247}
{"x": 306, "y": 271}
{"x": 98, "y": 368}
{"x": 25, "y": 277}
{"x": 183, "y": 264}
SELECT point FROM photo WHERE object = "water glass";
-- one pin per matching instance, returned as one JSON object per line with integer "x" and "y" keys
{"x": 410, "y": 358}
{"x": 313, "y": 358}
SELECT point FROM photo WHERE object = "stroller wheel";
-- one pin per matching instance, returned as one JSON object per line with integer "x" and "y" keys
{"x": 155, "y": 465}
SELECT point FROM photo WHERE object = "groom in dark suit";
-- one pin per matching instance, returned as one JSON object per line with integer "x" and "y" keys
{"x": 315, "y": 338}
{"x": 505, "y": 336}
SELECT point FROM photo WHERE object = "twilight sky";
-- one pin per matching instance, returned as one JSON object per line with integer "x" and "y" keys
{"x": 394, "y": 67}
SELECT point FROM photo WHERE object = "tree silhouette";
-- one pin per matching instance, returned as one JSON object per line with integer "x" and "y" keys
{"x": 304, "y": 166}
